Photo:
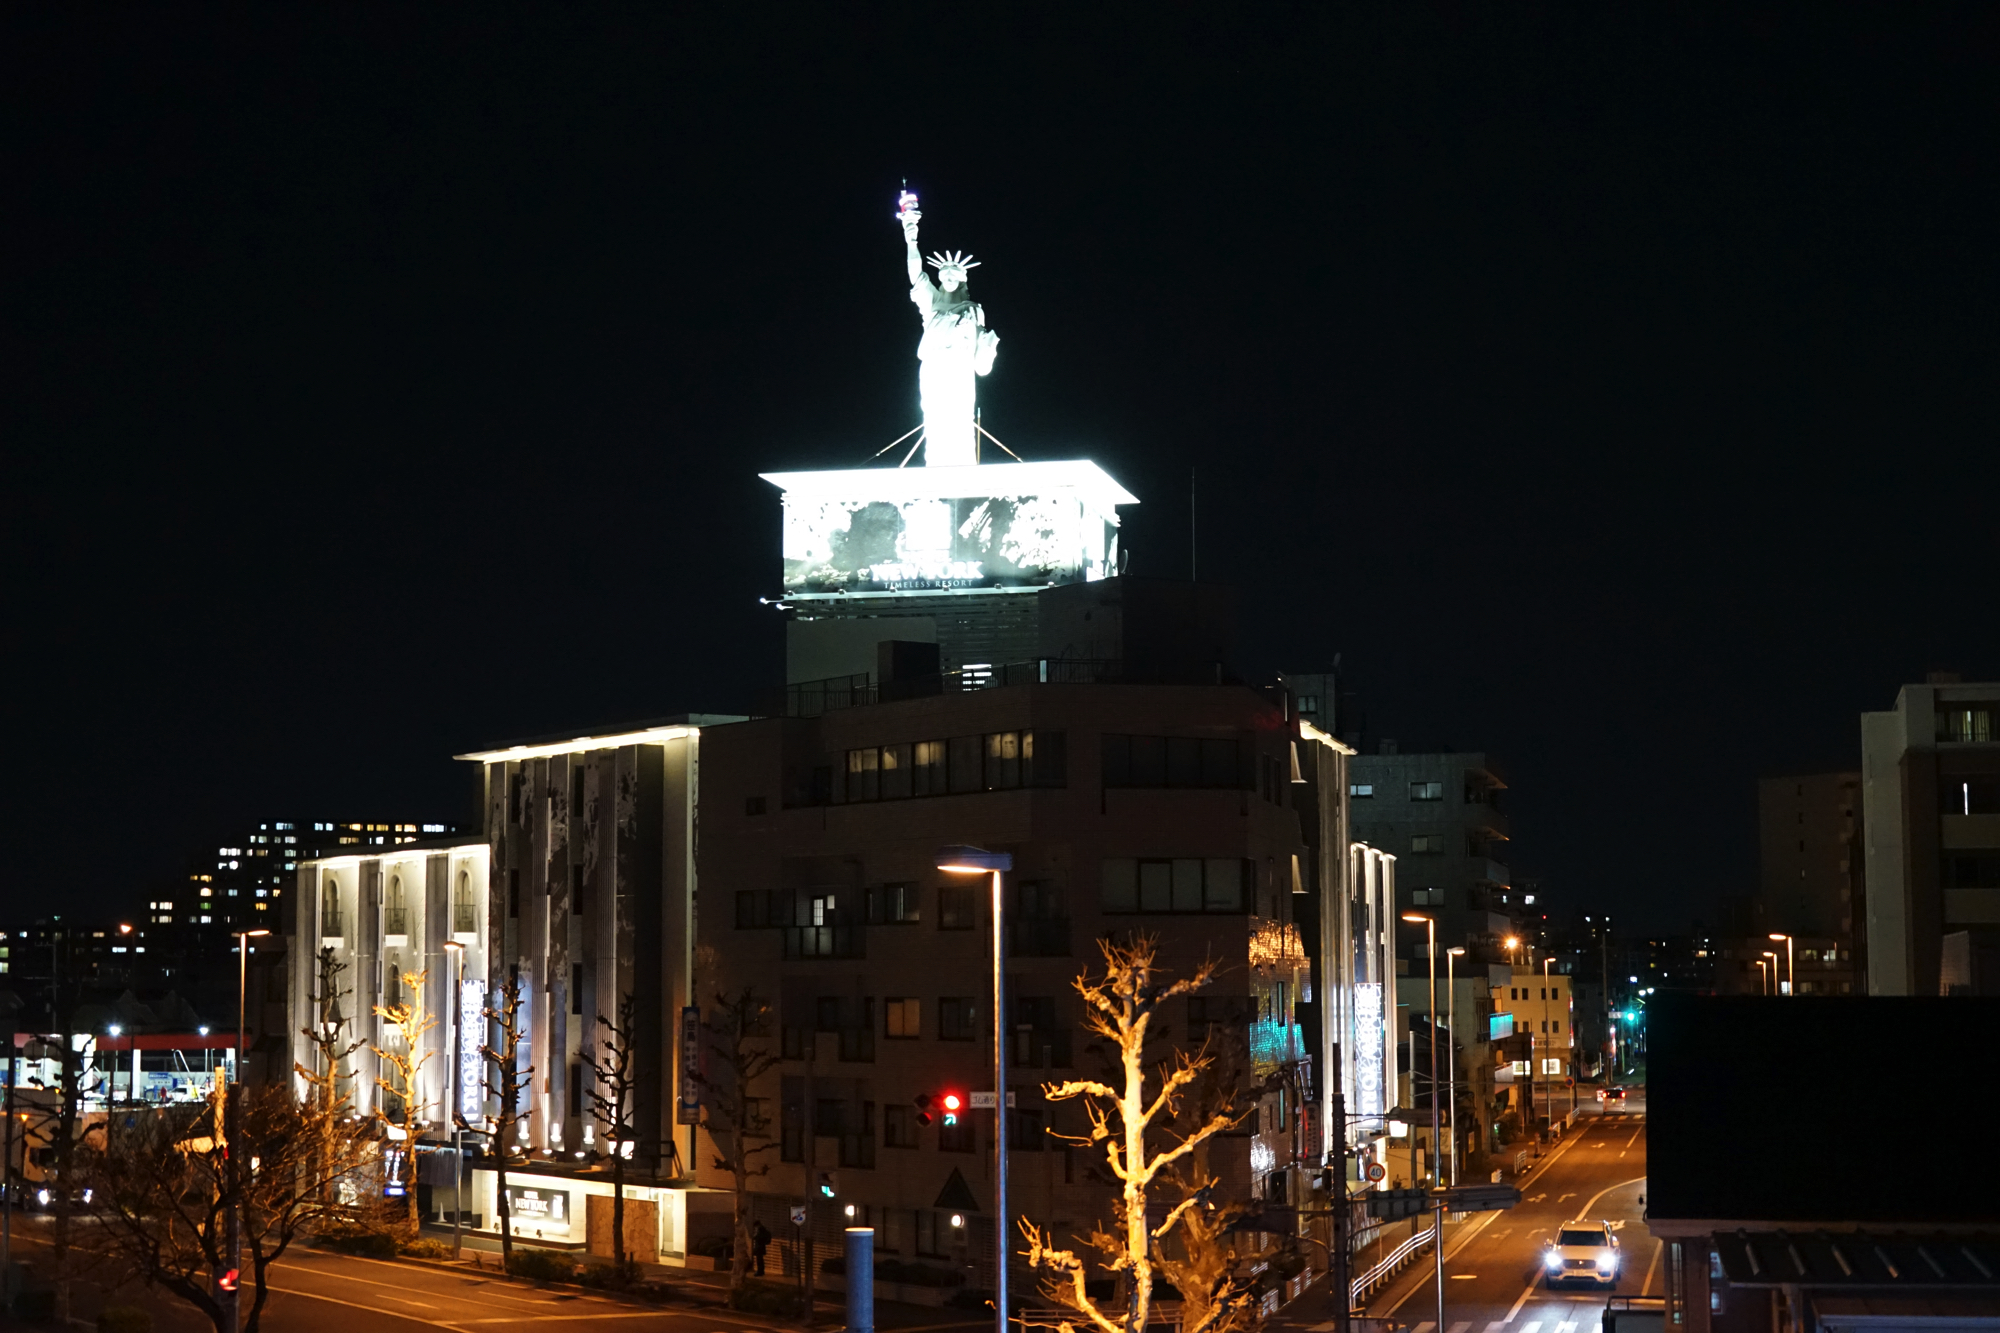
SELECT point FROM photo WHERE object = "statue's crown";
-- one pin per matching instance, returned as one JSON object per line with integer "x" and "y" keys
{"x": 941, "y": 260}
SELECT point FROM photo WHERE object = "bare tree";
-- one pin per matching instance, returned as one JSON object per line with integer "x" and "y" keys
{"x": 736, "y": 1033}
{"x": 1133, "y": 1123}
{"x": 611, "y": 1106}
{"x": 160, "y": 1191}
{"x": 412, "y": 1023}
{"x": 508, "y": 1080}
{"x": 326, "y": 1033}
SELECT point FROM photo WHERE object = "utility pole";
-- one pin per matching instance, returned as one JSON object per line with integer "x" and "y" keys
{"x": 1339, "y": 1258}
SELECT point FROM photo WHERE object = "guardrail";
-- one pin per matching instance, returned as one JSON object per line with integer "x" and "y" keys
{"x": 1390, "y": 1264}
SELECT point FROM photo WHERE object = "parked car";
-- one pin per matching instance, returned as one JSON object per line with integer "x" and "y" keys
{"x": 1582, "y": 1251}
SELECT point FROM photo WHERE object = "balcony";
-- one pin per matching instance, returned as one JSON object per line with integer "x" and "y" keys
{"x": 396, "y": 921}
{"x": 464, "y": 919}
{"x": 332, "y": 926}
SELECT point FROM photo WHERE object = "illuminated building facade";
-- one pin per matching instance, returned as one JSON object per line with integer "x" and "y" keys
{"x": 1443, "y": 815}
{"x": 1930, "y": 799}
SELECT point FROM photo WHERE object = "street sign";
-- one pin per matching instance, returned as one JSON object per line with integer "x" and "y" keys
{"x": 1376, "y": 1172}
{"x": 798, "y": 1214}
{"x": 1477, "y": 1198}
{"x": 986, "y": 1101}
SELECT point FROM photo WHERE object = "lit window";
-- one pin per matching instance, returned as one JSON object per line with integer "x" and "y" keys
{"x": 1361, "y": 791}
{"x": 1427, "y": 791}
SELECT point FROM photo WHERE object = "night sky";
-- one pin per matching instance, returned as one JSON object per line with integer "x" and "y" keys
{"x": 1614, "y": 392}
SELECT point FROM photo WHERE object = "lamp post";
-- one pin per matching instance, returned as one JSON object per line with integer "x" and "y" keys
{"x": 1451, "y": 1052}
{"x": 1763, "y": 978}
{"x": 1791, "y": 981}
{"x": 113, "y": 1031}
{"x": 979, "y": 861}
{"x": 232, "y": 1126}
{"x": 457, "y": 950}
{"x": 1437, "y": 1210}
{"x": 1774, "y": 969}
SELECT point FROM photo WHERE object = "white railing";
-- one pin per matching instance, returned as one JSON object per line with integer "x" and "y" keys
{"x": 1390, "y": 1262}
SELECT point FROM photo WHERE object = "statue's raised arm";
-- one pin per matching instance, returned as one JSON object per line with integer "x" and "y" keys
{"x": 909, "y": 215}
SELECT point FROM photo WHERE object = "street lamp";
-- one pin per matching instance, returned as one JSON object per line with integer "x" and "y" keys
{"x": 457, "y": 1152}
{"x": 1437, "y": 1211}
{"x": 978, "y": 861}
{"x": 1774, "y": 969}
{"x": 228, "y": 1296}
{"x": 1451, "y": 955}
{"x": 1763, "y": 978}
{"x": 1791, "y": 981}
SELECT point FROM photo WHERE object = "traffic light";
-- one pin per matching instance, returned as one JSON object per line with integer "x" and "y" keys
{"x": 1390, "y": 1205}
{"x": 953, "y": 1103}
{"x": 948, "y": 1105}
{"x": 828, "y": 1187}
{"x": 923, "y": 1103}
{"x": 227, "y": 1281}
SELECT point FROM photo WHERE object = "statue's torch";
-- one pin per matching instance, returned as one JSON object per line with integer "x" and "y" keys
{"x": 906, "y": 208}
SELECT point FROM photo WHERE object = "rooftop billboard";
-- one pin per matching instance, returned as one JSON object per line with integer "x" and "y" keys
{"x": 944, "y": 529}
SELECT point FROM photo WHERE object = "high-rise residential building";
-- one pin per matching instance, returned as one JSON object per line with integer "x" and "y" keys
{"x": 239, "y": 885}
{"x": 1441, "y": 814}
{"x": 1930, "y": 803}
{"x": 1809, "y": 882}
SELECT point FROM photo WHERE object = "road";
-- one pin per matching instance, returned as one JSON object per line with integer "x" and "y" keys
{"x": 316, "y": 1292}
{"x": 1493, "y": 1270}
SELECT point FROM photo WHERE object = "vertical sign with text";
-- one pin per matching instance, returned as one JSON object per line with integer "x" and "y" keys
{"x": 689, "y": 1110}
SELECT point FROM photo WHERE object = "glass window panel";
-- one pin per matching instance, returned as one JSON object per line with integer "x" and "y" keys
{"x": 1117, "y": 760}
{"x": 1222, "y": 889}
{"x": 1003, "y": 760}
{"x": 1156, "y": 886}
{"x": 1121, "y": 884}
{"x": 1187, "y": 885}
{"x": 895, "y": 772}
{"x": 1218, "y": 763}
{"x": 863, "y": 767}
{"x": 1149, "y": 761}
{"x": 967, "y": 764}
{"x": 927, "y": 768}
{"x": 1183, "y": 761}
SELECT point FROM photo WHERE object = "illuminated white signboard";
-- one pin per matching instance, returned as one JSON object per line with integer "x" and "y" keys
{"x": 992, "y": 525}
{"x": 471, "y": 1065}
{"x": 1368, "y": 1051}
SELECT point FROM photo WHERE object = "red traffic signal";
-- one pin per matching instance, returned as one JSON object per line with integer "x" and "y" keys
{"x": 227, "y": 1281}
{"x": 953, "y": 1102}
{"x": 946, "y": 1104}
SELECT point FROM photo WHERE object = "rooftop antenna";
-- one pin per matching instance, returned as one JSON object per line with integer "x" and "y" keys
{"x": 996, "y": 439}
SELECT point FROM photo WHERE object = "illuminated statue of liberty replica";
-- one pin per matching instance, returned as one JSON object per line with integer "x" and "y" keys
{"x": 957, "y": 348}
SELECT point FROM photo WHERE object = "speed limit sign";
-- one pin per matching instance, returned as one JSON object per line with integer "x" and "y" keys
{"x": 1376, "y": 1172}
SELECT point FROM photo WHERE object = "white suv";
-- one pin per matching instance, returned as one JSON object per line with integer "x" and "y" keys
{"x": 1582, "y": 1252}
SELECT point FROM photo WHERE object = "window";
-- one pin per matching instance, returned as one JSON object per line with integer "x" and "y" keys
{"x": 899, "y": 1126}
{"x": 927, "y": 768}
{"x": 1174, "y": 761}
{"x": 1427, "y": 791}
{"x": 956, "y": 1018}
{"x": 902, "y": 1018}
{"x": 576, "y": 988}
{"x": 514, "y": 893}
{"x": 895, "y": 771}
{"x": 463, "y": 918}
{"x": 957, "y": 907}
{"x": 753, "y": 805}
{"x": 964, "y": 762}
{"x": 958, "y": 1137}
{"x": 1308, "y": 703}
{"x": 895, "y": 903}
{"x": 1024, "y": 1129}
{"x": 1180, "y": 884}
{"x": 1004, "y": 756}
{"x": 1970, "y": 795}
{"x": 864, "y": 774}
{"x": 1964, "y": 722}
{"x": 1432, "y": 897}
{"x": 1361, "y": 791}
{"x": 760, "y": 908}
{"x": 1422, "y": 844}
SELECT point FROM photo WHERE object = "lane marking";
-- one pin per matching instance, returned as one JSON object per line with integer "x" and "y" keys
{"x": 1497, "y": 1326}
{"x": 1531, "y": 1327}
{"x": 1523, "y": 1300}
{"x": 1460, "y": 1327}
{"x": 371, "y": 1309}
{"x": 1424, "y": 1327}
{"x": 1621, "y": 1154}
{"x": 1652, "y": 1268}
{"x": 1635, "y": 1137}
{"x": 1465, "y": 1277}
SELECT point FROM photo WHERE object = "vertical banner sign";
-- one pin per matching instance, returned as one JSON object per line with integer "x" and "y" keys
{"x": 689, "y": 1111}
{"x": 472, "y": 1022}
{"x": 1368, "y": 1049}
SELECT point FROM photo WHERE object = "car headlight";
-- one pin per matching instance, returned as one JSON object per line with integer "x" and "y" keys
{"x": 42, "y": 1197}
{"x": 1606, "y": 1264}
{"x": 1552, "y": 1259}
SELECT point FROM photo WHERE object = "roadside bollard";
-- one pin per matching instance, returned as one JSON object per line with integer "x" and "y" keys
{"x": 860, "y": 1264}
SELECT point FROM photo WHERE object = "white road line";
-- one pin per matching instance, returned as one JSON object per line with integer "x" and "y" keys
{"x": 1497, "y": 1326}
{"x": 1531, "y": 1326}
{"x": 1652, "y": 1268}
{"x": 1523, "y": 1300}
{"x": 1635, "y": 1137}
{"x": 1424, "y": 1327}
{"x": 371, "y": 1309}
{"x": 1460, "y": 1327}
{"x": 1566, "y": 1327}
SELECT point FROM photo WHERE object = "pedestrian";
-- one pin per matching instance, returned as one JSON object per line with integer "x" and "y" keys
{"x": 760, "y": 1241}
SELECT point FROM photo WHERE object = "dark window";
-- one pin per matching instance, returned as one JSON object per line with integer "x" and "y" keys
{"x": 1970, "y": 795}
{"x": 1024, "y": 1130}
{"x": 1178, "y": 884}
{"x": 792, "y": 1147}
{"x": 1972, "y": 872}
{"x": 753, "y": 805}
{"x": 896, "y": 903}
{"x": 957, "y": 907}
{"x": 576, "y": 890}
{"x": 757, "y": 909}
{"x": 576, "y": 789}
{"x": 1049, "y": 752}
{"x": 1424, "y": 844}
{"x": 826, "y": 1013}
{"x": 575, "y": 1091}
{"x": 576, "y": 988}
{"x": 899, "y": 1126}
{"x": 956, "y": 1018}
{"x": 1427, "y": 791}
{"x": 513, "y": 893}
{"x": 967, "y": 762}
{"x": 1179, "y": 761}
{"x": 857, "y": 1140}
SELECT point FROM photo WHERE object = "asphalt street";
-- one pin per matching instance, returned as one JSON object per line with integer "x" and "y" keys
{"x": 1493, "y": 1275}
